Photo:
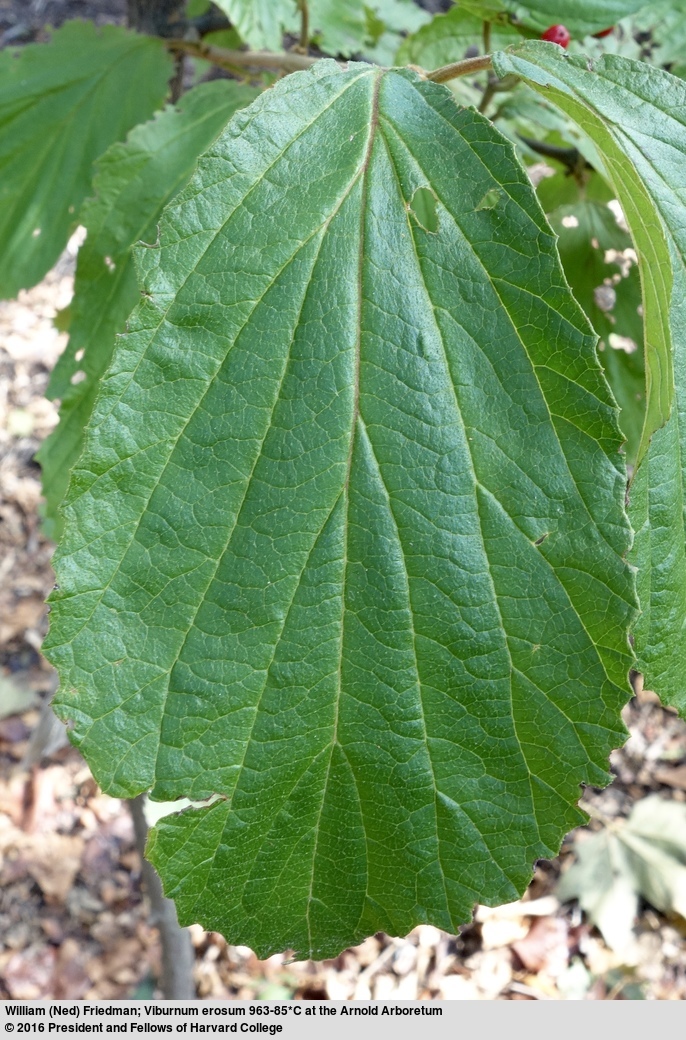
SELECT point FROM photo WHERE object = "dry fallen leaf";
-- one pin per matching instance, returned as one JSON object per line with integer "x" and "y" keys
{"x": 53, "y": 861}
{"x": 28, "y": 974}
{"x": 644, "y": 855}
{"x": 545, "y": 947}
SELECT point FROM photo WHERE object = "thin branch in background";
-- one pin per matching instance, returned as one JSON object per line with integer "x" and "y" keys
{"x": 569, "y": 157}
{"x": 304, "y": 27}
{"x": 176, "y": 82}
{"x": 488, "y": 94}
{"x": 492, "y": 83}
{"x": 290, "y": 61}
{"x": 487, "y": 37}
{"x": 177, "y": 949}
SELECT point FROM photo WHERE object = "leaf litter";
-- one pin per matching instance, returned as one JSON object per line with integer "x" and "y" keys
{"x": 73, "y": 919}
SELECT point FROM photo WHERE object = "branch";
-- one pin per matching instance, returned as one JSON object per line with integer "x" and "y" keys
{"x": 461, "y": 68}
{"x": 177, "y": 949}
{"x": 569, "y": 157}
{"x": 232, "y": 60}
{"x": 213, "y": 20}
{"x": 304, "y": 26}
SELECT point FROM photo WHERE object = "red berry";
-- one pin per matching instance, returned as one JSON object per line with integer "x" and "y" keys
{"x": 558, "y": 34}
{"x": 604, "y": 32}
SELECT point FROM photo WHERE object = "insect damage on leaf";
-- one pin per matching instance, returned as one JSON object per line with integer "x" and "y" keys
{"x": 490, "y": 199}
{"x": 423, "y": 209}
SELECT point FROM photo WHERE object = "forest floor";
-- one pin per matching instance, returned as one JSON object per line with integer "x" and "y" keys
{"x": 73, "y": 918}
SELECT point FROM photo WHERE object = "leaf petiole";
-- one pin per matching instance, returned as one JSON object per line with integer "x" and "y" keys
{"x": 461, "y": 68}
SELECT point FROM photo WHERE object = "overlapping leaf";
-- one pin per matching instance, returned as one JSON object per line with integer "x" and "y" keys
{"x": 61, "y": 105}
{"x": 346, "y": 543}
{"x": 642, "y": 110}
{"x": 134, "y": 182}
{"x": 602, "y": 98}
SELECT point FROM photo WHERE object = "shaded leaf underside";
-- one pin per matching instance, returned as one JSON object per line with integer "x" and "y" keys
{"x": 591, "y": 99}
{"x": 346, "y": 543}
{"x": 644, "y": 109}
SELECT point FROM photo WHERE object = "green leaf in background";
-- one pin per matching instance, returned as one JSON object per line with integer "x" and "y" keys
{"x": 339, "y": 28}
{"x": 564, "y": 190}
{"x": 61, "y": 105}
{"x": 388, "y": 22}
{"x": 643, "y": 110}
{"x": 587, "y": 232}
{"x": 447, "y": 37}
{"x": 346, "y": 543}
{"x": 581, "y": 17}
{"x": 494, "y": 11}
{"x": 590, "y": 94}
{"x": 666, "y": 22}
{"x": 260, "y": 23}
{"x": 133, "y": 183}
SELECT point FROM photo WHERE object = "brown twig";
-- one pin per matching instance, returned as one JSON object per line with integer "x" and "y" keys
{"x": 290, "y": 61}
{"x": 177, "y": 949}
{"x": 176, "y": 82}
{"x": 461, "y": 68}
{"x": 569, "y": 157}
{"x": 487, "y": 37}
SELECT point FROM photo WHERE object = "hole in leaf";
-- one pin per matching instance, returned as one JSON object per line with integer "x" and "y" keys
{"x": 78, "y": 377}
{"x": 490, "y": 199}
{"x": 570, "y": 221}
{"x": 36, "y": 232}
{"x": 540, "y": 541}
{"x": 423, "y": 209}
{"x": 78, "y": 355}
{"x": 109, "y": 263}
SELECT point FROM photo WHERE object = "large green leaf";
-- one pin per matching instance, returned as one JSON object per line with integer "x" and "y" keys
{"x": 346, "y": 543}
{"x": 133, "y": 183}
{"x": 602, "y": 98}
{"x": 61, "y": 105}
{"x": 587, "y": 232}
{"x": 644, "y": 110}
